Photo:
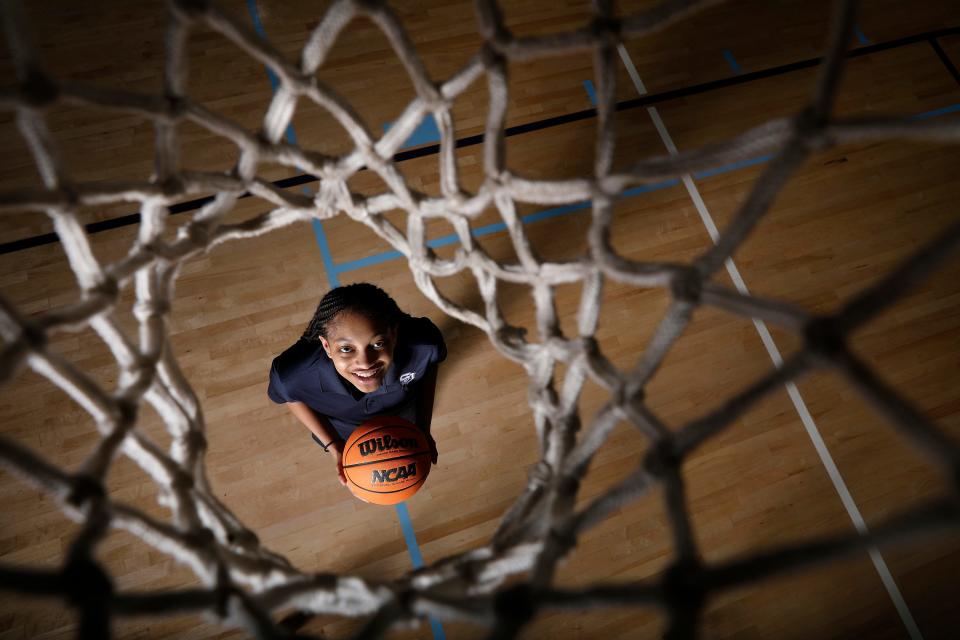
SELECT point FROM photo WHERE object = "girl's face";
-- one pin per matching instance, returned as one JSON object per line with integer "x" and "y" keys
{"x": 361, "y": 349}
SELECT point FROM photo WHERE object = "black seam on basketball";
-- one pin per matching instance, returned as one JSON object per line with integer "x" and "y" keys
{"x": 378, "y": 461}
{"x": 369, "y": 462}
{"x": 380, "y": 493}
{"x": 389, "y": 426}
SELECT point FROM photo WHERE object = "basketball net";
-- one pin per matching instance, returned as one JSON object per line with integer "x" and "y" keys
{"x": 243, "y": 581}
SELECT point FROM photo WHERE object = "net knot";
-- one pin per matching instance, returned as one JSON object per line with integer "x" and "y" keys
{"x": 511, "y": 336}
{"x": 84, "y": 489}
{"x": 324, "y": 581}
{"x": 544, "y": 398}
{"x": 824, "y": 339}
{"x": 145, "y": 309}
{"x": 686, "y": 285}
{"x": 199, "y": 234}
{"x": 807, "y": 122}
{"x": 176, "y": 107}
{"x": 223, "y": 594}
{"x": 126, "y": 411}
{"x": 516, "y": 604}
{"x": 182, "y": 481}
{"x": 606, "y": 29}
{"x": 559, "y": 347}
{"x": 810, "y": 128}
{"x": 369, "y": 6}
{"x": 634, "y": 396}
{"x": 145, "y": 367}
{"x": 243, "y": 538}
{"x": 683, "y": 587}
{"x": 152, "y": 247}
{"x": 192, "y": 8}
{"x": 435, "y": 101}
{"x": 540, "y": 474}
{"x": 108, "y": 288}
{"x": 404, "y": 599}
{"x": 87, "y": 586}
{"x": 196, "y": 440}
{"x": 171, "y": 186}
{"x": 71, "y": 198}
{"x": 490, "y": 54}
{"x": 589, "y": 346}
{"x": 201, "y": 538}
{"x": 38, "y": 89}
{"x": 565, "y": 538}
{"x": 468, "y": 572}
{"x": 35, "y": 337}
{"x": 568, "y": 485}
{"x": 661, "y": 459}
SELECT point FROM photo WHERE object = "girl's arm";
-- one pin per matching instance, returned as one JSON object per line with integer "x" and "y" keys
{"x": 320, "y": 426}
{"x": 428, "y": 388}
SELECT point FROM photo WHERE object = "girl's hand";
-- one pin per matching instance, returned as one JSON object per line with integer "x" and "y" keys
{"x": 337, "y": 448}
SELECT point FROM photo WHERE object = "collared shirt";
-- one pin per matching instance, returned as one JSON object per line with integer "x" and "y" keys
{"x": 305, "y": 373}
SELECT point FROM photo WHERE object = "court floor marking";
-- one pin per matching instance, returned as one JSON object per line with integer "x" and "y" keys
{"x": 403, "y": 515}
{"x": 433, "y": 149}
{"x": 808, "y": 422}
{"x": 945, "y": 59}
{"x": 732, "y": 61}
{"x": 555, "y": 212}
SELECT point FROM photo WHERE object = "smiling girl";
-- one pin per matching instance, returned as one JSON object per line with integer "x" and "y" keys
{"x": 359, "y": 357}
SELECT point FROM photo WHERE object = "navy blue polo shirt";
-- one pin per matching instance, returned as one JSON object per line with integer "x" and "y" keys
{"x": 304, "y": 373}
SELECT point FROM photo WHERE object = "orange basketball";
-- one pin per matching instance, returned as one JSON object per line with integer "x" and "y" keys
{"x": 386, "y": 460}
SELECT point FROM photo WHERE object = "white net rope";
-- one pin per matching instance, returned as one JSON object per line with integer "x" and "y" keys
{"x": 245, "y": 582}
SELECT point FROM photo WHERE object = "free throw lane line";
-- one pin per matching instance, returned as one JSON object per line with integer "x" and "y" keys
{"x": 792, "y": 391}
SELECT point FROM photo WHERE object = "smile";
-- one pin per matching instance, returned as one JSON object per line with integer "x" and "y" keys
{"x": 368, "y": 374}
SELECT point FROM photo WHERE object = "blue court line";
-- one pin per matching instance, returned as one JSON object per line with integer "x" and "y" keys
{"x": 291, "y": 136}
{"x": 732, "y": 61}
{"x": 274, "y": 82}
{"x": 733, "y": 166}
{"x": 942, "y": 111}
{"x": 369, "y": 261}
{"x": 860, "y": 36}
{"x": 497, "y": 227}
{"x": 567, "y": 209}
{"x": 404, "y": 516}
{"x": 426, "y": 132}
{"x": 329, "y": 266}
{"x": 588, "y": 85}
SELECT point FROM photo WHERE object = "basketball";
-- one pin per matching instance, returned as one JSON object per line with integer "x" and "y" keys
{"x": 386, "y": 460}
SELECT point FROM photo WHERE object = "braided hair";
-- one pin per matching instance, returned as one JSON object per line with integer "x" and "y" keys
{"x": 363, "y": 298}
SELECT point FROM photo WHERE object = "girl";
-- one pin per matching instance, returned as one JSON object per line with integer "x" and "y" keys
{"x": 360, "y": 356}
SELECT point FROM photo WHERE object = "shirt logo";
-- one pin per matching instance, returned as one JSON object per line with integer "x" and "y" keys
{"x": 407, "y": 378}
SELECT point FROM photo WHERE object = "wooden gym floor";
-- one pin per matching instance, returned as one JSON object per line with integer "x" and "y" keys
{"x": 841, "y": 223}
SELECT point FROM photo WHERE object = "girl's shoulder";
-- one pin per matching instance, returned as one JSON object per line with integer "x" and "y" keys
{"x": 303, "y": 354}
{"x": 296, "y": 371}
{"x": 420, "y": 331}
{"x": 421, "y": 337}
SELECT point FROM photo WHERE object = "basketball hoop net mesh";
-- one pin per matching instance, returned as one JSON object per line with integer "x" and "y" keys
{"x": 245, "y": 582}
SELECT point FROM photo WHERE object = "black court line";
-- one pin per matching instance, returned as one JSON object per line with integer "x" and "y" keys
{"x": 546, "y": 123}
{"x": 945, "y": 59}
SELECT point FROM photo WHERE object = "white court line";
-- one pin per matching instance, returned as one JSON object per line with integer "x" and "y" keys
{"x": 832, "y": 471}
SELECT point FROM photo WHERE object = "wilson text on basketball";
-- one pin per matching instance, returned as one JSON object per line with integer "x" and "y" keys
{"x": 386, "y": 443}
